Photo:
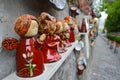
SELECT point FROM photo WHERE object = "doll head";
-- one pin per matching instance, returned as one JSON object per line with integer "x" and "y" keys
{"x": 69, "y": 20}
{"x": 66, "y": 29}
{"x": 51, "y": 28}
{"x": 47, "y": 23}
{"x": 59, "y": 27}
{"x": 26, "y": 26}
{"x": 65, "y": 26}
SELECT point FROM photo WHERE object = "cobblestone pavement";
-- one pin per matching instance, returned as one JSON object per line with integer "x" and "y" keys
{"x": 105, "y": 64}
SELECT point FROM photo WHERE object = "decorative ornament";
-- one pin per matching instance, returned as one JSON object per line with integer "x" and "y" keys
{"x": 71, "y": 24}
{"x": 47, "y": 25}
{"x": 82, "y": 64}
{"x": 10, "y": 43}
{"x": 29, "y": 58}
{"x": 83, "y": 27}
{"x": 84, "y": 6}
{"x": 59, "y": 4}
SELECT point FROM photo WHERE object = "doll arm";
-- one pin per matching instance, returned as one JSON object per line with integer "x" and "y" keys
{"x": 10, "y": 43}
{"x": 53, "y": 41}
{"x": 52, "y": 44}
{"x": 41, "y": 39}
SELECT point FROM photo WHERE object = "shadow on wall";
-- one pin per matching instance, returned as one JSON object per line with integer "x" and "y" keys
{"x": 37, "y": 5}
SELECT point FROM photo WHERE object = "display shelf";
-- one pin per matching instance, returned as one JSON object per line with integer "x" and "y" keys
{"x": 86, "y": 43}
{"x": 50, "y": 68}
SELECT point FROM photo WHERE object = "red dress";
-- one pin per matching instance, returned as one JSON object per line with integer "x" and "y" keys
{"x": 64, "y": 43}
{"x": 49, "y": 49}
{"x": 29, "y": 59}
{"x": 72, "y": 36}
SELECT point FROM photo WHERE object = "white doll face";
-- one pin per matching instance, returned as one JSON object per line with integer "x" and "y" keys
{"x": 66, "y": 27}
{"x": 33, "y": 29}
{"x": 60, "y": 26}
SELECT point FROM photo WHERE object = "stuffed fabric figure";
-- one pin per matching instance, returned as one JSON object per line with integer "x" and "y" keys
{"x": 47, "y": 26}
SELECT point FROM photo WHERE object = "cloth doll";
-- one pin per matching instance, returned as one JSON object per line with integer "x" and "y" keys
{"x": 66, "y": 34}
{"x": 47, "y": 25}
{"x": 59, "y": 31}
{"x": 70, "y": 22}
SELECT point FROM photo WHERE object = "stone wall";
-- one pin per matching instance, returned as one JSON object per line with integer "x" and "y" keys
{"x": 9, "y": 11}
{"x": 68, "y": 70}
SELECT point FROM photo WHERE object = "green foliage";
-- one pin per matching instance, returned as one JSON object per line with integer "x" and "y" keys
{"x": 108, "y": 36}
{"x": 104, "y": 5}
{"x": 113, "y": 19}
{"x": 111, "y": 37}
{"x": 117, "y": 39}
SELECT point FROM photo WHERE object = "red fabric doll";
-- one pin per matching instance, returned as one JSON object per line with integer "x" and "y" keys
{"x": 47, "y": 25}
